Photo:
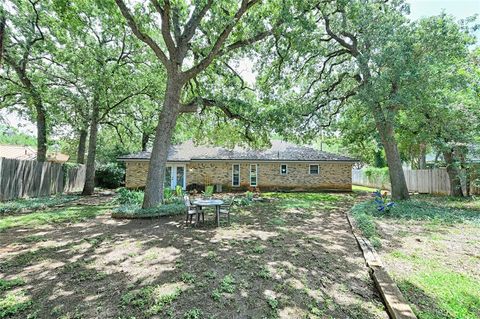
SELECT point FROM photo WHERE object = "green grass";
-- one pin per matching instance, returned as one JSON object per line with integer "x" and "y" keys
{"x": 9, "y": 284}
{"x": 303, "y": 200}
{"x": 435, "y": 289}
{"x": 150, "y": 299}
{"x": 33, "y": 204}
{"x": 12, "y": 302}
{"x": 67, "y": 214}
{"x": 438, "y": 293}
{"x": 358, "y": 188}
{"x": 135, "y": 211}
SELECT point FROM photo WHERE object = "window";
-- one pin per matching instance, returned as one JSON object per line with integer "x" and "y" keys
{"x": 253, "y": 175}
{"x": 236, "y": 175}
{"x": 283, "y": 169}
{"x": 314, "y": 170}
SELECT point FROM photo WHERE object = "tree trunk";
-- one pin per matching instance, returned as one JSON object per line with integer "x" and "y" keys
{"x": 422, "y": 159}
{"x": 163, "y": 136}
{"x": 394, "y": 162}
{"x": 145, "y": 138}
{"x": 82, "y": 141}
{"x": 453, "y": 173}
{"x": 41, "y": 130}
{"x": 89, "y": 186}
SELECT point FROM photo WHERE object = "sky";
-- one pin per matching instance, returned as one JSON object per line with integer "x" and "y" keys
{"x": 460, "y": 9}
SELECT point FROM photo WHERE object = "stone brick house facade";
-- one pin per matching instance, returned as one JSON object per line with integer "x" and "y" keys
{"x": 284, "y": 166}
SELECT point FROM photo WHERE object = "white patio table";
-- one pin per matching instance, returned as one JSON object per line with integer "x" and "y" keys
{"x": 210, "y": 202}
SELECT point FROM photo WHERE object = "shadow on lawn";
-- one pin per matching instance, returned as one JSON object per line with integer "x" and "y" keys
{"x": 275, "y": 260}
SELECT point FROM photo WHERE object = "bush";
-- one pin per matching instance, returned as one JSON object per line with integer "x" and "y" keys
{"x": 135, "y": 211}
{"x": 129, "y": 197}
{"x": 109, "y": 175}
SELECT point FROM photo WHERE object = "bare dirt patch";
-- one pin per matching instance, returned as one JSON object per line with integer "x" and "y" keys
{"x": 294, "y": 257}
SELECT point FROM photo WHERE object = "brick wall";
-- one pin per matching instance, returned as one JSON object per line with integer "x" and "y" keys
{"x": 333, "y": 175}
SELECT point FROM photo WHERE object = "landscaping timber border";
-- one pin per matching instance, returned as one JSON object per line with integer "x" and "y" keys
{"x": 397, "y": 306}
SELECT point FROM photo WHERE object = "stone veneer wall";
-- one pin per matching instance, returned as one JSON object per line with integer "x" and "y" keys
{"x": 334, "y": 175}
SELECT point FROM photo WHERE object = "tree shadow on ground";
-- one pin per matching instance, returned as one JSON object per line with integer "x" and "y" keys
{"x": 275, "y": 260}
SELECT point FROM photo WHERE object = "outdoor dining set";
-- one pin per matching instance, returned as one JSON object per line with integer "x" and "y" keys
{"x": 197, "y": 207}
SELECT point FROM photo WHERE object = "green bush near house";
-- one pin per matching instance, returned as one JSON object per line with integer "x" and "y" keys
{"x": 135, "y": 211}
{"x": 129, "y": 197}
{"x": 109, "y": 175}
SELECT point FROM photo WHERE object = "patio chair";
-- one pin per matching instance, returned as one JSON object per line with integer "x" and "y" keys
{"x": 226, "y": 208}
{"x": 192, "y": 210}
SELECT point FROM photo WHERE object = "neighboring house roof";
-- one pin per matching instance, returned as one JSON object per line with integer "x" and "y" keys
{"x": 28, "y": 153}
{"x": 279, "y": 151}
{"x": 18, "y": 152}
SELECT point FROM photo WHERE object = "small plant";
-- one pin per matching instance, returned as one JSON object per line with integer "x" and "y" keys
{"x": 382, "y": 202}
{"x": 272, "y": 302}
{"x": 216, "y": 295}
{"x": 179, "y": 191}
{"x": 228, "y": 284}
{"x": 167, "y": 194}
{"x": 208, "y": 193}
{"x": 194, "y": 313}
{"x": 264, "y": 273}
{"x": 188, "y": 278}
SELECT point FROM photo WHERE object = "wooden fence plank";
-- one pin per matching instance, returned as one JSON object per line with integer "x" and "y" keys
{"x": 19, "y": 178}
{"x": 425, "y": 181}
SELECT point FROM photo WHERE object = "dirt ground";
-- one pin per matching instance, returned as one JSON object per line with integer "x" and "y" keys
{"x": 293, "y": 257}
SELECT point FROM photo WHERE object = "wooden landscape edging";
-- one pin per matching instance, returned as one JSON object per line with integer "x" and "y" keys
{"x": 397, "y": 306}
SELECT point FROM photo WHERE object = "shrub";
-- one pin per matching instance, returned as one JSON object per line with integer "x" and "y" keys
{"x": 376, "y": 175}
{"x": 362, "y": 214}
{"x": 129, "y": 197}
{"x": 109, "y": 175}
{"x": 135, "y": 211}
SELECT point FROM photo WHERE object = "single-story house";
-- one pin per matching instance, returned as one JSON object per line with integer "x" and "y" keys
{"x": 284, "y": 166}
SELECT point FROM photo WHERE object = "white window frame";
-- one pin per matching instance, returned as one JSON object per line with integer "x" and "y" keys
{"x": 233, "y": 170}
{"x": 286, "y": 169}
{"x": 256, "y": 175}
{"x": 310, "y": 171}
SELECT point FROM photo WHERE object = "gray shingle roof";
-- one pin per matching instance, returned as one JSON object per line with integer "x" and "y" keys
{"x": 280, "y": 151}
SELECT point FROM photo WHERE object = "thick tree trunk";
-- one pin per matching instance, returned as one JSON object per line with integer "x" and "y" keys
{"x": 41, "y": 130}
{"x": 453, "y": 173}
{"x": 161, "y": 143}
{"x": 422, "y": 159}
{"x": 145, "y": 139}
{"x": 394, "y": 162}
{"x": 82, "y": 141}
{"x": 89, "y": 186}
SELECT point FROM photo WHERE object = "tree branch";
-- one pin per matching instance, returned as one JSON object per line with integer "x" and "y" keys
{"x": 142, "y": 36}
{"x": 166, "y": 34}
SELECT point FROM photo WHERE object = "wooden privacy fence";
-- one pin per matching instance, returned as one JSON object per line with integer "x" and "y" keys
{"x": 20, "y": 178}
{"x": 425, "y": 181}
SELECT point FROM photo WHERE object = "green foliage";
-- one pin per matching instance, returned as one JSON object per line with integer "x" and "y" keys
{"x": 150, "y": 299}
{"x": 228, "y": 284}
{"x": 179, "y": 191}
{"x": 109, "y": 175}
{"x": 6, "y": 284}
{"x": 362, "y": 214}
{"x": 208, "y": 193}
{"x": 67, "y": 214}
{"x": 129, "y": 197}
{"x": 11, "y": 136}
{"x": 135, "y": 211}
{"x": 194, "y": 313}
{"x": 32, "y": 204}
{"x": 13, "y": 303}
{"x": 376, "y": 175}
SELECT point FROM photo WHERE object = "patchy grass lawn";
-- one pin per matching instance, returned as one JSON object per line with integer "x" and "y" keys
{"x": 431, "y": 246}
{"x": 32, "y": 204}
{"x": 291, "y": 257}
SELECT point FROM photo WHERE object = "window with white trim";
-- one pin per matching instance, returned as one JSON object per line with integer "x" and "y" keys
{"x": 236, "y": 175}
{"x": 253, "y": 175}
{"x": 283, "y": 169}
{"x": 314, "y": 169}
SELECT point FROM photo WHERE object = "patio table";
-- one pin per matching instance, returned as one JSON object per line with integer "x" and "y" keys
{"x": 210, "y": 202}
